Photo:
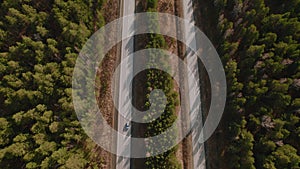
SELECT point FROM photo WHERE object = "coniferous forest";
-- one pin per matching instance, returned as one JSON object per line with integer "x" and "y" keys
{"x": 40, "y": 41}
{"x": 258, "y": 42}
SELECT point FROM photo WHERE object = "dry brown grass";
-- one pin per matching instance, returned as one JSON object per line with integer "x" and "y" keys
{"x": 104, "y": 84}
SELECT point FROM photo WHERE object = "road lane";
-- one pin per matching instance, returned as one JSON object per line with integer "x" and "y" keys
{"x": 194, "y": 90}
{"x": 126, "y": 71}
{"x": 127, "y": 48}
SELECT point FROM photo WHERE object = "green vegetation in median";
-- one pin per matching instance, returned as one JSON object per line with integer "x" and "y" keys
{"x": 158, "y": 79}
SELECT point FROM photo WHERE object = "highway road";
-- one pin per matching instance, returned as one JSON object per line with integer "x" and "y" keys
{"x": 198, "y": 149}
{"x": 126, "y": 71}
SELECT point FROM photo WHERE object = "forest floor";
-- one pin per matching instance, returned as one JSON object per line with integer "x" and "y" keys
{"x": 105, "y": 72}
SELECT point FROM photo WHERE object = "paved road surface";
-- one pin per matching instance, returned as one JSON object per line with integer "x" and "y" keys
{"x": 123, "y": 145}
{"x": 198, "y": 149}
{"x": 127, "y": 48}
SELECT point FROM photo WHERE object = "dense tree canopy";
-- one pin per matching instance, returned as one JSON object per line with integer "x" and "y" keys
{"x": 261, "y": 51}
{"x": 258, "y": 41}
{"x": 39, "y": 42}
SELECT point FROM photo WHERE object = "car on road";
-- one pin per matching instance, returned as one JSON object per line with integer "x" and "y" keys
{"x": 126, "y": 127}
